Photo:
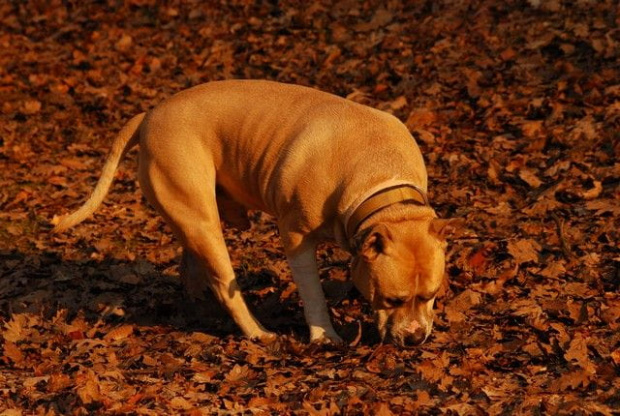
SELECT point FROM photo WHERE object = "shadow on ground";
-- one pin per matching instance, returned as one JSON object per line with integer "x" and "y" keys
{"x": 138, "y": 292}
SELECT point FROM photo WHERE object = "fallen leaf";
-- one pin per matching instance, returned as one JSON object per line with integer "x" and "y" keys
{"x": 578, "y": 351}
{"x": 528, "y": 176}
{"x": 180, "y": 403}
{"x": 420, "y": 119}
{"x": 32, "y": 107}
{"x": 12, "y": 352}
{"x": 524, "y": 251}
{"x": 87, "y": 388}
{"x": 120, "y": 333}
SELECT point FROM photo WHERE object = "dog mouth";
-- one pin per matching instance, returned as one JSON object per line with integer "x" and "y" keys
{"x": 404, "y": 335}
{"x": 405, "y": 340}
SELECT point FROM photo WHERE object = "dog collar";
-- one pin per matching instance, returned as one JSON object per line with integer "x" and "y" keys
{"x": 406, "y": 192}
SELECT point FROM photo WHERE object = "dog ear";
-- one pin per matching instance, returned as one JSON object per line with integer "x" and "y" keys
{"x": 444, "y": 228}
{"x": 371, "y": 242}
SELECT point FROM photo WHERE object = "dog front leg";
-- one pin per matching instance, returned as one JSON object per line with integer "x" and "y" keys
{"x": 302, "y": 260}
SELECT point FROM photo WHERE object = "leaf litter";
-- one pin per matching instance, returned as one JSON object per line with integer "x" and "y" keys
{"x": 515, "y": 107}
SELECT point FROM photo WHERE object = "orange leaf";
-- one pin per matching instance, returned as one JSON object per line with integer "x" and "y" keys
{"x": 88, "y": 388}
{"x": 524, "y": 251}
{"x": 578, "y": 351}
{"x": 32, "y": 106}
{"x": 58, "y": 382}
{"x": 420, "y": 118}
{"x": 180, "y": 403}
{"x": 12, "y": 352}
{"x": 73, "y": 163}
{"x": 532, "y": 129}
{"x": 120, "y": 333}
{"x": 529, "y": 177}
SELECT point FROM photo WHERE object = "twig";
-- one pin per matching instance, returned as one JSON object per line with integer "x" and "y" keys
{"x": 559, "y": 222}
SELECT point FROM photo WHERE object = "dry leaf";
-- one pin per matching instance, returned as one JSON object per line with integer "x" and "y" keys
{"x": 531, "y": 129}
{"x": 578, "y": 351}
{"x": 180, "y": 403}
{"x": 120, "y": 333}
{"x": 594, "y": 192}
{"x": 420, "y": 118}
{"x": 124, "y": 42}
{"x": 31, "y": 107}
{"x": 524, "y": 251}
{"x": 88, "y": 389}
{"x": 530, "y": 177}
{"x": 12, "y": 352}
{"x": 516, "y": 111}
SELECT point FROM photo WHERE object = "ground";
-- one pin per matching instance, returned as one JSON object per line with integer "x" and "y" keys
{"x": 516, "y": 107}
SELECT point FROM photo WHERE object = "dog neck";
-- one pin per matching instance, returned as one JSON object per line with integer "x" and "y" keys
{"x": 379, "y": 198}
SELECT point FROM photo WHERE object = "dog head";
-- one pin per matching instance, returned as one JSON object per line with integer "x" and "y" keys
{"x": 399, "y": 268}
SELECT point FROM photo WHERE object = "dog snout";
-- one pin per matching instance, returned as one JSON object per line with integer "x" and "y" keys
{"x": 409, "y": 335}
{"x": 414, "y": 338}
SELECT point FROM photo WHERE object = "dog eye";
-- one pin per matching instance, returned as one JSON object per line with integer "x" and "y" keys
{"x": 395, "y": 302}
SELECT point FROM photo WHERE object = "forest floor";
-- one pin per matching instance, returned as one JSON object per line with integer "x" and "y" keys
{"x": 516, "y": 107}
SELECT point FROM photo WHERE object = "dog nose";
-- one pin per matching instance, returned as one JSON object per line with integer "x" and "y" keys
{"x": 414, "y": 338}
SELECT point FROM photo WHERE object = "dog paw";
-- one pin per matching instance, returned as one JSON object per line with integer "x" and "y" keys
{"x": 265, "y": 337}
{"x": 325, "y": 338}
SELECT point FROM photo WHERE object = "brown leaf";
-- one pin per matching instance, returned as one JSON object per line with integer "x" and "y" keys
{"x": 58, "y": 382}
{"x": 119, "y": 333}
{"x": 554, "y": 270}
{"x": 420, "y": 118}
{"x": 594, "y": 192}
{"x": 531, "y": 129}
{"x": 524, "y": 251}
{"x": 508, "y": 54}
{"x": 74, "y": 163}
{"x": 578, "y": 351}
{"x": 573, "y": 380}
{"x": 433, "y": 367}
{"x": 482, "y": 257}
{"x": 31, "y": 107}
{"x": 532, "y": 311}
{"x": 16, "y": 329}
{"x": 87, "y": 388}
{"x": 12, "y": 412}
{"x": 240, "y": 373}
{"x": 424, "y": 136}
{"x": 12, "y": 352}
{"x": 381, "y": 18}
{"x": 530, "y": 177}
{"x": 398, "y": 103}
{"x": 585, "y": 129}
{"x": 456, "y": 309}
{"x": 204, "y": 377}
{"x": 180, "y": 403}
{"x": 602, "y": 206}
{"x": 124, "y": 42}
{"x": 382, "y": 409}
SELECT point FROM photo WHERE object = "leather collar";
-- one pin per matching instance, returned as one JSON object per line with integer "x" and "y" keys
{"x": 407, "y": 193}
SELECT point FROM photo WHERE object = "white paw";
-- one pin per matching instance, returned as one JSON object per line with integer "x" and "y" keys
{"x": 325, "y": 336}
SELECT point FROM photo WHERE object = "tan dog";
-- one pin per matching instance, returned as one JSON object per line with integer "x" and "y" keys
{"x": 326, "y": 167}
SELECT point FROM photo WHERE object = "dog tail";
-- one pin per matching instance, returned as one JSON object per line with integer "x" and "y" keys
{"x": 126, "y": 139}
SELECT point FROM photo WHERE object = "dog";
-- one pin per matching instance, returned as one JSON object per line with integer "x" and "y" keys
{"x": 327, "y": 168}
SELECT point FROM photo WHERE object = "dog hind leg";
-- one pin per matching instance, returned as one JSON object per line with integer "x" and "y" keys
{"x": 188, "y": 204}
{"x": 232, "y": 212}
